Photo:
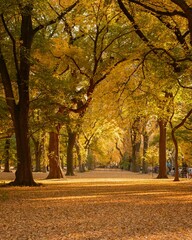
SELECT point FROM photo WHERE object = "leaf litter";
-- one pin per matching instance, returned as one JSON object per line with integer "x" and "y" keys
{"x": 101, "y": 209}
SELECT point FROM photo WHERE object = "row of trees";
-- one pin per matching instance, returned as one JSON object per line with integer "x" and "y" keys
{"x": 80, "y": 73}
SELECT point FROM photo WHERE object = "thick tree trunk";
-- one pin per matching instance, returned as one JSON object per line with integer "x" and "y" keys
{"x": 136, "y": 143}
{"x": 19, "y": 108}
{"x": 70, "y": 146}
{"x": 6, "y": 155}
{"x": 135, "y": 156}
{"x": 23, "y": 173}
{"x": 162, "y": 149}
{"x": 55, "y": 170}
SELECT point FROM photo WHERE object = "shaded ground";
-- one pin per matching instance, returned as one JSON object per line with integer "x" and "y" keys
{"x": 99, "y": 205}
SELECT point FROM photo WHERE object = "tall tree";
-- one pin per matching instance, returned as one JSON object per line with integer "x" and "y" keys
{"x": 174, "y": 129}
{"x": 171, "y": 50}
{"x": 91, "y": 54}
{"x": 16, "y": 86}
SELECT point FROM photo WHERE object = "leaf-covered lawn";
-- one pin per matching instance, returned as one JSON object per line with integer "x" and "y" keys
{"x": 101, "y": 209}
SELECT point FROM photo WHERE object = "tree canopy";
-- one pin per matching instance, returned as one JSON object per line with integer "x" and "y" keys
{"x": 95, "y": 80}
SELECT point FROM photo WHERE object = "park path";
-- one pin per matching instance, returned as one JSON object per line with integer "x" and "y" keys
{"x": 97, "y": 174}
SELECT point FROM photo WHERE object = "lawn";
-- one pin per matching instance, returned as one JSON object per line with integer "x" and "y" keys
{"x": 97, "y": 206}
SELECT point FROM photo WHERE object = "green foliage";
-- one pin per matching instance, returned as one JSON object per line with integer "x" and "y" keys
{"x": 90, "y": 161}
{"x": 125, "y": 162}
{"x": 151, "y": 156}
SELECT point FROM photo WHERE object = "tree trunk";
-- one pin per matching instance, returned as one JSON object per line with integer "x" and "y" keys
{"x": 37, "y": 155}
{"x": 91, "y": 163}
{"x": 176, "y": 155}
{"x": 145, "y": 147}
{"x": 19, "y": 114}
{"x": 38, "y": 145}
{"x": 23, "y": 173}
{"x": 162, "y": 149}
{"x": 17, "y": 92}
{"x": 6, "y": 155}
{"x": 175, "y": 142}
{"x": 70, "y": 146}
{"x": 55, "y": 170}
{"x": 81, "y": 166}
{"x": 136, "y": 143}
{"x": 19, "y": 109}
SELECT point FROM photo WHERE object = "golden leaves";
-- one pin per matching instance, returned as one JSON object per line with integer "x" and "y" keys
{"x": 99, "y": 205}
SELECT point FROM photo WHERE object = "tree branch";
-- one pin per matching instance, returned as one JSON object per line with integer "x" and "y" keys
{"x": 135, "y": 26}
{"x": 158, "y": 12}
{"x": 14, "y": 45}
{"x": 58, "y": 18}
{"x": 183, "y": 121}
{"x": 6, "y": 83}
{"x": 188, "y": 11}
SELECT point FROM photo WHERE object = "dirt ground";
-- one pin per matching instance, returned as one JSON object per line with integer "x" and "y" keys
{"x": 97, "y": 205}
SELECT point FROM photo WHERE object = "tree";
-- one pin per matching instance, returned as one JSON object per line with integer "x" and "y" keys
{"x": 18, "y": 99}
{"x": 171, "y": 48}
{"x": 176, "y": 144}
{"x": 179, "y": 120}
{"x": 6, "y": 155}
{"x": 70, "y": 147}
{"x": 91, "y": 54}
{"x": 55, "y": 170}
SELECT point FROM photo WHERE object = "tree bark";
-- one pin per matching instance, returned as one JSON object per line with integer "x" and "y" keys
{"x": 145, "y": 147}
{"x": 135, "y": 156}
{"x": 6, "y": 155}
{"x": 24, "y": 167}
{"x": 55, "y": 170}
{"x": 19, "y": 110}
{"x": 176, "y": 155}
{"x": 81, "y": 165}
{"x": 38, "y": 145}
{"x": 136, "y": 143}
{"x": 162, "y": 149}
{"x": 70, "y": 146}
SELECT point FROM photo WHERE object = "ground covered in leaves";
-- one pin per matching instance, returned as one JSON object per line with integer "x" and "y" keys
{"x": 99, "y": 205}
